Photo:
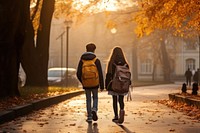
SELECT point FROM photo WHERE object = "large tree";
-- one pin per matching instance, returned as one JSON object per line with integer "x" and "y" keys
{"x": 35, "y": 52}
{"x": 13, "y": 16}
{"x": 182, "y": 18}
{"x": 21, "y": 42}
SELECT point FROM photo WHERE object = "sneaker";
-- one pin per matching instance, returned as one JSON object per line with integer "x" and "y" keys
{"x": 94, "y": 115}
{"x": 89, "y": 120}
{"x": 115, "y": 119}
{"x": 121, "y": 116}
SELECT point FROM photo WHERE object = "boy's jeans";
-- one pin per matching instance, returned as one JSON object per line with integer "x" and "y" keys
{"x": 94, "y": 93}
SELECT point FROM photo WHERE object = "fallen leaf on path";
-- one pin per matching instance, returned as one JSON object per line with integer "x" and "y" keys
{"x": 172, "y": 130}
{"x": 153, "y": 120}
{"x": 73, "y": 124}
{"x": 80, "y": 126}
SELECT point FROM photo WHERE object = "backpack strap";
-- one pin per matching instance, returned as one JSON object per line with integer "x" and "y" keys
{"x": 94, "y": 59}
{"x": 90, "y": 60}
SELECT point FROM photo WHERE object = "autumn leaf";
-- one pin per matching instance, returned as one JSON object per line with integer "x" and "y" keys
{"x": 74, "y": 124}
{"x": 172, "y": 130}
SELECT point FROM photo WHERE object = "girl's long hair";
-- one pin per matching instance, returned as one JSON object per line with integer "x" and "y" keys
{"x": 116, "y": 55}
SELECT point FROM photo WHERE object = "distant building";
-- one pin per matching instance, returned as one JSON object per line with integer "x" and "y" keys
{"x": 186, "y": 56}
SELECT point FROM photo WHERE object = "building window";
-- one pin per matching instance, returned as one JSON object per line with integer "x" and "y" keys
{"x": 191, "y": 47}
{"x": 146, "y": 67}
{"x": 190, "y": 63}
{"x": 191, "y": 44}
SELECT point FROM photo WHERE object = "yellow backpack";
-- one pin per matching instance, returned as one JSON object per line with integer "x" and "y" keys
{"x": 90, "y": 75}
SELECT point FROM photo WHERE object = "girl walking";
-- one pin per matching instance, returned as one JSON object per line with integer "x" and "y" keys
{"x": 116, "y": 58}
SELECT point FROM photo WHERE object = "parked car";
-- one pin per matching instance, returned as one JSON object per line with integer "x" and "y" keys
{"x": 57, "y": 77}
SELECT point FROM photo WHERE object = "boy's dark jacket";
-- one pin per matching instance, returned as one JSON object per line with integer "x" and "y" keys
{"x": 90, "y": 56}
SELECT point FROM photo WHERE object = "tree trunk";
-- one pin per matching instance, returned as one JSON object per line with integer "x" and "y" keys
{"x": 12, "y": 29}
{"x": 135, "y": 62}
{"x": 36, "y": 54}
{"x": 154, "y": 71}
{"x": 43, "y": 39}
{"x": 29, "y": 56}
{"x": 165, "y": 61}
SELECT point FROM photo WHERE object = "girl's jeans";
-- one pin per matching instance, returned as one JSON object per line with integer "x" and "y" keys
{"x": 89, "y": 101}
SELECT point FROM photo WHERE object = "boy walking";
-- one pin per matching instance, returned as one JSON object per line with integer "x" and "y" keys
{"x": 89, "y": 73}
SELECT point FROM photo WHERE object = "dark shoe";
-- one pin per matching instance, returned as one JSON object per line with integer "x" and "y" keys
{"x": 121, "y": 116}
{"x": 89, "y": 119}
{"x": 94, "y": 115}
{"x": 115, "y": 119}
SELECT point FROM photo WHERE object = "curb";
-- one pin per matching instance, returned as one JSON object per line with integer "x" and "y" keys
{"x": 15, "y": 112}
{"x": 189, "y": 100}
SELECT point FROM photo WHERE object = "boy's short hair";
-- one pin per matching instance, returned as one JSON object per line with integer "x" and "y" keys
{"x": 90, "y": 47}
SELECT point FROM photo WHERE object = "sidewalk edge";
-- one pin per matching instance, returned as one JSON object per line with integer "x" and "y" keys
{"x": 15, "y": 112}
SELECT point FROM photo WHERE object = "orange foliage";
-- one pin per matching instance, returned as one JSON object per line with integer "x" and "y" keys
{"x": 182, "y": 17}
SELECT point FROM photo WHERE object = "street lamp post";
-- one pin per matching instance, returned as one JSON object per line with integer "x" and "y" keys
{"x": 67, "y": 24}
{"x": 199, "y": 63}
{"x": 61, "y": 49}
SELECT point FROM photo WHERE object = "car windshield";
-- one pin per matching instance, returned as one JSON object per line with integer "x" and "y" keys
{"x": 55, "y": 73}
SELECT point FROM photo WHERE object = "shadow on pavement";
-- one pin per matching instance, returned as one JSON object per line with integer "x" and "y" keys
{"x": 92, "y": 128}
{"x": 125, "y": 129}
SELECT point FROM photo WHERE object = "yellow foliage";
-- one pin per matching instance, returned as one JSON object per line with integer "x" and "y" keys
{"x": 111, "y": 24}
{"x": 64, "y": 9}
{"x": 36, "y": 19}
{"x": 70, "y": 9}
{"x": 182, "y": 17}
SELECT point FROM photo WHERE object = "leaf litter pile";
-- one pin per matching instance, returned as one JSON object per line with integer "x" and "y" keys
{"x": 191, "y": 111}
{"x": 29, "y": 95}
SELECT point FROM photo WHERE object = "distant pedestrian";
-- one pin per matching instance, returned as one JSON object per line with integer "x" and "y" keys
{"x": 89, "y": 73}
{"x": 188, "y": 75}
{"x": 116, "y": 58}
{"x": 196, "y": 77}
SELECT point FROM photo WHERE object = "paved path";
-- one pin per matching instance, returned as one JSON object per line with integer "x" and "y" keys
{"x": 142, "y": 116}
